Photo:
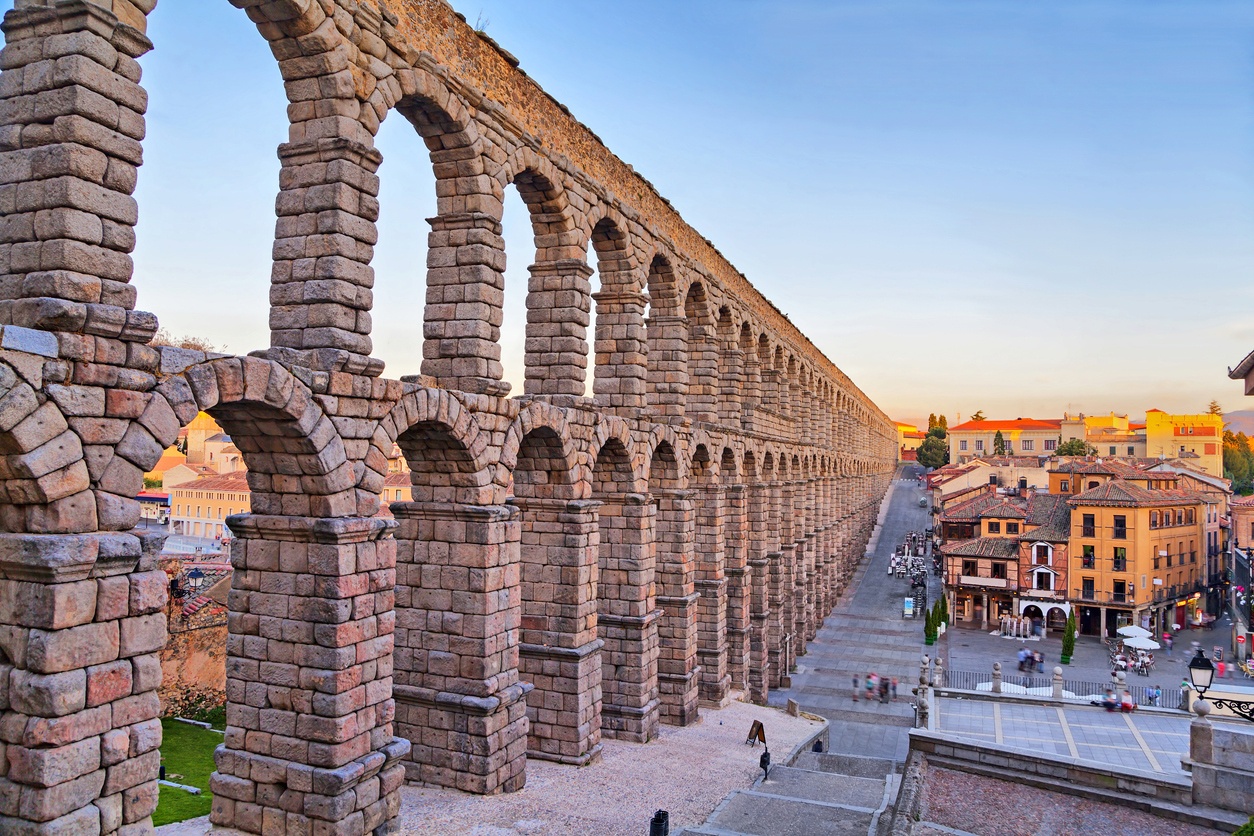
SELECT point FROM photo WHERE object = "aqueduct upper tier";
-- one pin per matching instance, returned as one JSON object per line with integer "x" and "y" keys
{"x": 569, "y": 567}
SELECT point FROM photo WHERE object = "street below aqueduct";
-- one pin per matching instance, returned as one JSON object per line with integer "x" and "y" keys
{"x": 866, "y": 633}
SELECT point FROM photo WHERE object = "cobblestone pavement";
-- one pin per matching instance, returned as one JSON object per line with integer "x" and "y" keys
{"x": 866, "y": 632}
{"x": 964, "y": 804}
{"x": 1149, "y": 741}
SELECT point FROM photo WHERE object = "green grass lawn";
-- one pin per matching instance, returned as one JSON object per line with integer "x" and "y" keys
{"x": 186, "y": 751}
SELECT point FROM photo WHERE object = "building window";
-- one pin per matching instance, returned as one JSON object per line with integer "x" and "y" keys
{"x": 1044, "y": 581}
{"x": 1168, "y": 555}
{"x": 994, "y": 528}
{"x": 1121, "y": 594}
{"x": 962, "y": 445}
{"x": 969, "y": 568}
{"x": 1087, "y": 558}
{"x": 1051, "y": 444}
{"x": 979, "y": 445}
{"x": 1086, "y": 589}
{"x": 1131, "y": 451}
{"x": 1064, "y": 486}
{"x": 1153, "y": 519}
{"x": 1087, "y": 526}
{"x": 1192, "y": 553}
{"x": 999, "y": 571}
{"x": 1189, "y": 516}
{"x": 1121, "y": 559}
{"x": 1041, "y": 553}
{"x": 1012, "y": 528}
{"x": 1027, "y": 445}
{"x": 1179, "y": 516}
{"x": 1112, "y": 449}
{"x": 1121, "y": 527}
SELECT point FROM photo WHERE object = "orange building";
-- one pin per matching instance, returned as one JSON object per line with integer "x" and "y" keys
{"x": 1135, "y": 557}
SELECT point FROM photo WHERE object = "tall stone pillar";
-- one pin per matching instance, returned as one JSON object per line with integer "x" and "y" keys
{"x": 560, "y": 654}
{"x": 559, "y": 307}
{"x": 458, "y": 609}
{"x": 677, "y": 597}
{"x": 83, "y": 621}
{"x": 627, "y": 618}
{"x": 739, "y": 582}
{"x": 802, "y": 558}
{"x": 759, "y": 594}
{"x": 731, "y": 379}
{"x": 621, "y": 346}
{"x": 751, "y": 396}
{"x": 73, "y": 119}
{"x": 703, "y": 375}
{"x": 711, "y": 585}
{"x": 668, "y": 364}
{"x": 322, "y": 283}
{"x": 465, "y": 291}
{"x": 781, "y": 604}
{"x": 770, "y": 389}
{"x": 309, "y": 744}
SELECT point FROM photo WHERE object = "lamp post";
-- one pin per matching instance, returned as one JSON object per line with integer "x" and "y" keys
{"x": 1202, "y": 676}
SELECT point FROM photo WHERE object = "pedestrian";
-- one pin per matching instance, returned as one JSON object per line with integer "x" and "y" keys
{"x": 870, "y": 686}
{"x": 894, "y": 686}
{"x": 1220, "y": 667}
{"x": 883, "y": 689}
{"x": 1158, "y": 696}
{"x": 1168, "y": 641}
{"x": 857, "y": 686}
{"x": 1039, "y": 658}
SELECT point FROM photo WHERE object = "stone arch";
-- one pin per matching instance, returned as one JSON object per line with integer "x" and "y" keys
{"x": 46, "y": 486}
{"x": 442, "y": 443}
{"x": 297, "y": 464}
{"x": 539, "y": 443}
{"x": 612, "y": 427}
{"x": 702, "y": 401}
{"x": 620, "y": 355}
{"x": 666, "y": 333}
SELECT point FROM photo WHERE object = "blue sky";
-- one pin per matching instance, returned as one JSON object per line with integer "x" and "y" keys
{"x": 1020, "y": 208}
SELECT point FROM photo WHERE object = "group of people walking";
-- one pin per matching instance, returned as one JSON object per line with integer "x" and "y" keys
{"x": 875, "y": 687}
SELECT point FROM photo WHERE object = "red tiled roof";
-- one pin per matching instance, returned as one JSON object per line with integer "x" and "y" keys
{"x": 237, "y": 481}
{"x": 1123, "y": 493}
{"x": 1017, "y": 424}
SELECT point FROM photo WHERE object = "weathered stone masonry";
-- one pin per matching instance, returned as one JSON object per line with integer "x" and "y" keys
{"x": 570, "y": 568}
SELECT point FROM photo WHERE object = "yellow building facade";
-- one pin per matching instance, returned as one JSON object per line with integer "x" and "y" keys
{"x": 1184, "y": 436}
{"x": 199, "y": 508}
{"x": 1137, "y": 556}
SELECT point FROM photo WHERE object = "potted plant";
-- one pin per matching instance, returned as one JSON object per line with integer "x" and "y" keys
{"x": 1068, "y": 639}
{"x": 929, "y": 627}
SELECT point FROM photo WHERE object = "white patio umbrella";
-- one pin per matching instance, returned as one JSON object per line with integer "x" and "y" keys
{"x": 1141, "y": 643}
{"x": 1131, "y": 631}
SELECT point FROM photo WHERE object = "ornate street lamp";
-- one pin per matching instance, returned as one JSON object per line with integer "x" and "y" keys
{"x": 1202, "y": 676}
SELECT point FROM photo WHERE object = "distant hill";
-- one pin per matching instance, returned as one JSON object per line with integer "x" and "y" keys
{"x": 1241, "y": 421}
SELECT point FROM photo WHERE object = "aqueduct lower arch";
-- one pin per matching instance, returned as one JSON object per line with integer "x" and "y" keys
{"x": 568, "y": 569}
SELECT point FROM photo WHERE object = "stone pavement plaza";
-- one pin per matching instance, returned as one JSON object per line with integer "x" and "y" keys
{"x": 1147, "y": 741}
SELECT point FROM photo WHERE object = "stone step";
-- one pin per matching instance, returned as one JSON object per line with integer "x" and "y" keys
{"x": 751, "y": 813}
{"x": 858, "y": 766}
{"x": 823, "y": 787}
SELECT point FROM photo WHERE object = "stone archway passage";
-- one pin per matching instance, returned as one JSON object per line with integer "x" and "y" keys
{"x": 567, "y": 567}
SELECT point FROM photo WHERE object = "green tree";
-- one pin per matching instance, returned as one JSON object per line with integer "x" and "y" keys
{"x": 933, "y": 452}
{"x": 1068, "y": 636}
{"x": 999, "y": 444}
{"x": 943, "y": 423}
{"x": 938, "y": 432}
{"x": 931, "y": 421}
{"x": 1075, "y": 447}
{"x": 1214, "y": 408}
{"x": 978, "y": 416}
{"x": 1239, "y": 461}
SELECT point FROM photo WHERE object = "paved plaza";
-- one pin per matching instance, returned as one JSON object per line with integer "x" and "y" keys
{"x": 1148, "y": 741}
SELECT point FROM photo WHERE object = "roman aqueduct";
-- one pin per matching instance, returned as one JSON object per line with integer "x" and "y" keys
{"x": 570, "y": 567}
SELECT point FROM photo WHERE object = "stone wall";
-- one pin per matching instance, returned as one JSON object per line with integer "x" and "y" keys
{"x": 569, "y": 568}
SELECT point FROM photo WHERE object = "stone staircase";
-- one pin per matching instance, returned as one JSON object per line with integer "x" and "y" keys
{"x": 841, "y": 795}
